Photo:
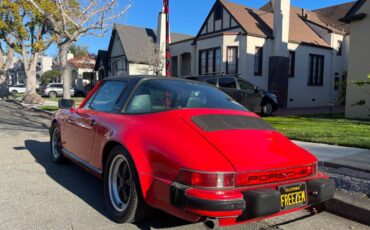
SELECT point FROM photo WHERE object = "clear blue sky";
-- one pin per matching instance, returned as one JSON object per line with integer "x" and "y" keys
{"x": 186, "y": 16}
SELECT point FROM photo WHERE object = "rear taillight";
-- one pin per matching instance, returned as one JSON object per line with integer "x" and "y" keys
{"x": 206, "y": 180}
{"x": 264, "y": 177}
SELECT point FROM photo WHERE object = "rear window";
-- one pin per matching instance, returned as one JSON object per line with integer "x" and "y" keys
{"x": 227, "y": 82}
{"x": 212, "y": 81}
{"x": 161, "y": 95}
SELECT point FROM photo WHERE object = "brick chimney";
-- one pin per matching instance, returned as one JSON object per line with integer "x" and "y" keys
{"x": 161, "y": 39}
{"x": 279, "y": 59}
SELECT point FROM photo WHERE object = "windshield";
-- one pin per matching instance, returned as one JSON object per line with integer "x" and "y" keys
{"x": 157, "y": 95}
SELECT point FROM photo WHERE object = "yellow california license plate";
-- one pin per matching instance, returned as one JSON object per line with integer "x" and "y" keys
{"x": 293, "y": 196}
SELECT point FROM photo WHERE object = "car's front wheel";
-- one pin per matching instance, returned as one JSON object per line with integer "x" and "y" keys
{"x": 122, "y": 191}
{"x": 14, "y": 92}
{"x": 267, "y": 108}
{"x": 56, "y": 145}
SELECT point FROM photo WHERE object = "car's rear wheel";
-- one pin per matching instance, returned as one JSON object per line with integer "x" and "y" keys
{"x": 52, "y": 94}
{"x": 122, "y": 191}
{"x": 56, "y": 145}
{"x": 267, "y": 108}
{"x": 14, "y": 92}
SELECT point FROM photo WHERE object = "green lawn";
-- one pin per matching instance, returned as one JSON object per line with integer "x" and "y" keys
{"x": 323, "y": 128}
{"x": 77, "y": 100}
{"x": 49, "y": 108}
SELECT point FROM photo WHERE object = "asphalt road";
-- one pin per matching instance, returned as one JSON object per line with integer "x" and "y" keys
{"x": 37, "y": 194}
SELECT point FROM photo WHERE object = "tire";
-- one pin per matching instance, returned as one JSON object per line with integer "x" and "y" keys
{"x": 52, "y": 94}
{"x": 267, "y": 108}
{"x": 122, "y": 192}
{"x": 56, "y": 145}
{"x": 14, "y": 92}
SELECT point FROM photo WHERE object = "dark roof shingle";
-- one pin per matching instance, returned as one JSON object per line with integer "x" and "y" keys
{"x": 139, "y": 44}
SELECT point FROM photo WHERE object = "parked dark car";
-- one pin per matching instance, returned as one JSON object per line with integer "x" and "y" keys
{"x": 244, "y": 92}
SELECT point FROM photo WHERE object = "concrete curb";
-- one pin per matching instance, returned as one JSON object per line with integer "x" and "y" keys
{"x": 336, "y": 165}
{"x": 349, "y": 206}
{"x": 31, "y": 107}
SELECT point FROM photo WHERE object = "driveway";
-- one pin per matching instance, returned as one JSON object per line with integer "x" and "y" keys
{"x": 37, "y": 194}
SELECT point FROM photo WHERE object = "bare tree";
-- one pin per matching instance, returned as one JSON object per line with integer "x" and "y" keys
{"x": 156, "y": 62}
{"x": 75, "y": 19}
{"x": 6, "y": 58}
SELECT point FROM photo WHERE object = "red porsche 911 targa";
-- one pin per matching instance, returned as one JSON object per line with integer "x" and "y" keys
{"x": 186, "y": 148}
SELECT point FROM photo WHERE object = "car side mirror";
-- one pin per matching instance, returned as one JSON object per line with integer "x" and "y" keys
{"x": 66, "y": 104}
{"x": 256, "y": 90}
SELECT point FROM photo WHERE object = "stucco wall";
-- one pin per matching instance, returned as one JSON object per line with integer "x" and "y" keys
{"x": 299, "y": 93}
{"x": 139, "y": 69}
{"x": 359, "y": 65}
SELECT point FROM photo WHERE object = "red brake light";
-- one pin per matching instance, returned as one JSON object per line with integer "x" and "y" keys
{"x": 207, "y": 180}
{"x": 255, "y": 178}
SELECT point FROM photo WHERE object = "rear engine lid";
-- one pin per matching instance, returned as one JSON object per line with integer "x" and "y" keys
{"x": 249, "y": 143}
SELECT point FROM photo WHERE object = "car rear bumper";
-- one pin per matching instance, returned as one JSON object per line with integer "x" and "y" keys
{"x": 238, "y": 206}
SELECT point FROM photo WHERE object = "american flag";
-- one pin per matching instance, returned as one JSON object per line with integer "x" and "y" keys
{"x": 166, "y": 10}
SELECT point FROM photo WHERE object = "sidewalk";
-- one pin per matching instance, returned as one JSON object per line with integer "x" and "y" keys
{"x": 338, "y": 156}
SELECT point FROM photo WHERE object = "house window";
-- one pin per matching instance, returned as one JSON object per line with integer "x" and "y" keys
{"x": 232, "y": 60}
{"x": 118, "y": 67}
{"x": 340, "y": 48}
{"x": 210, "y": 61}
{"x": 336, "y": 83}
{"x": 316, "y": 70}
{"x": 258, "y": 61}
{"x": 291, "y": 63}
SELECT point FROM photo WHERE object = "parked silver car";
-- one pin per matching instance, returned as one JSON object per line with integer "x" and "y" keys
{"x": 53, "y": 90}
{"x": 14, "y": 89}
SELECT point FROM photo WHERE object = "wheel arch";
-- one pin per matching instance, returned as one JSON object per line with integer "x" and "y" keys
{"x": 143, "y": 182}
{"x": 266, "y": 99}
{"x": 53, "y": 122}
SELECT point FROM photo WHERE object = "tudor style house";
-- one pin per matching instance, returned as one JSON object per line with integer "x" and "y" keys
{"x": 298, "y": 54}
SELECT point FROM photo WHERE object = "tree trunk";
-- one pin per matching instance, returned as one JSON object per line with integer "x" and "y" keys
{"x": 65, "y": 72}
{"x": 31, "y": 96}
{"x": 4, "y": 88}
{"x": 4, "y": 73}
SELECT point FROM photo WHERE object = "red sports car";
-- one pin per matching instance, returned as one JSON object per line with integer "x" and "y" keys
{"x": 186, "y": 148}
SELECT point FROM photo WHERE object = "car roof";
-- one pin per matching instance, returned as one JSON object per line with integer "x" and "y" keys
{"x": 138, "y": 78}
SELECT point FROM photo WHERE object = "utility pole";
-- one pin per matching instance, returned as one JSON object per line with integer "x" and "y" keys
{"x": 168, "y": 55}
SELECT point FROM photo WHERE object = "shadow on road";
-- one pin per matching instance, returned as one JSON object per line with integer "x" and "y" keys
{"x": 87, "y": 187}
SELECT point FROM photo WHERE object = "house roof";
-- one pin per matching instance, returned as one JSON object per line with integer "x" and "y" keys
{"x": 331, "y": 15}
{"x": 352, "y": 12}
{"x": 327, "y": 17}
{"x": 260, "y": 23}
{"x": 139, "y": 43}
{"x": 82, "y": 62}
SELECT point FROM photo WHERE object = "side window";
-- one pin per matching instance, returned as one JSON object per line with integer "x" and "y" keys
{"x": 246, "y": 85}
{"x": 107, "y": 96}
{"x": 227, "y": 82}
{"x": 212, "y": 81}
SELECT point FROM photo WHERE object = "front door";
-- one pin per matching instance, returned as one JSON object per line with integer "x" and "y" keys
{"x": 79, "y": 133}
{"x": 251, "y": 97}
{"x": 229, "y": 86}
